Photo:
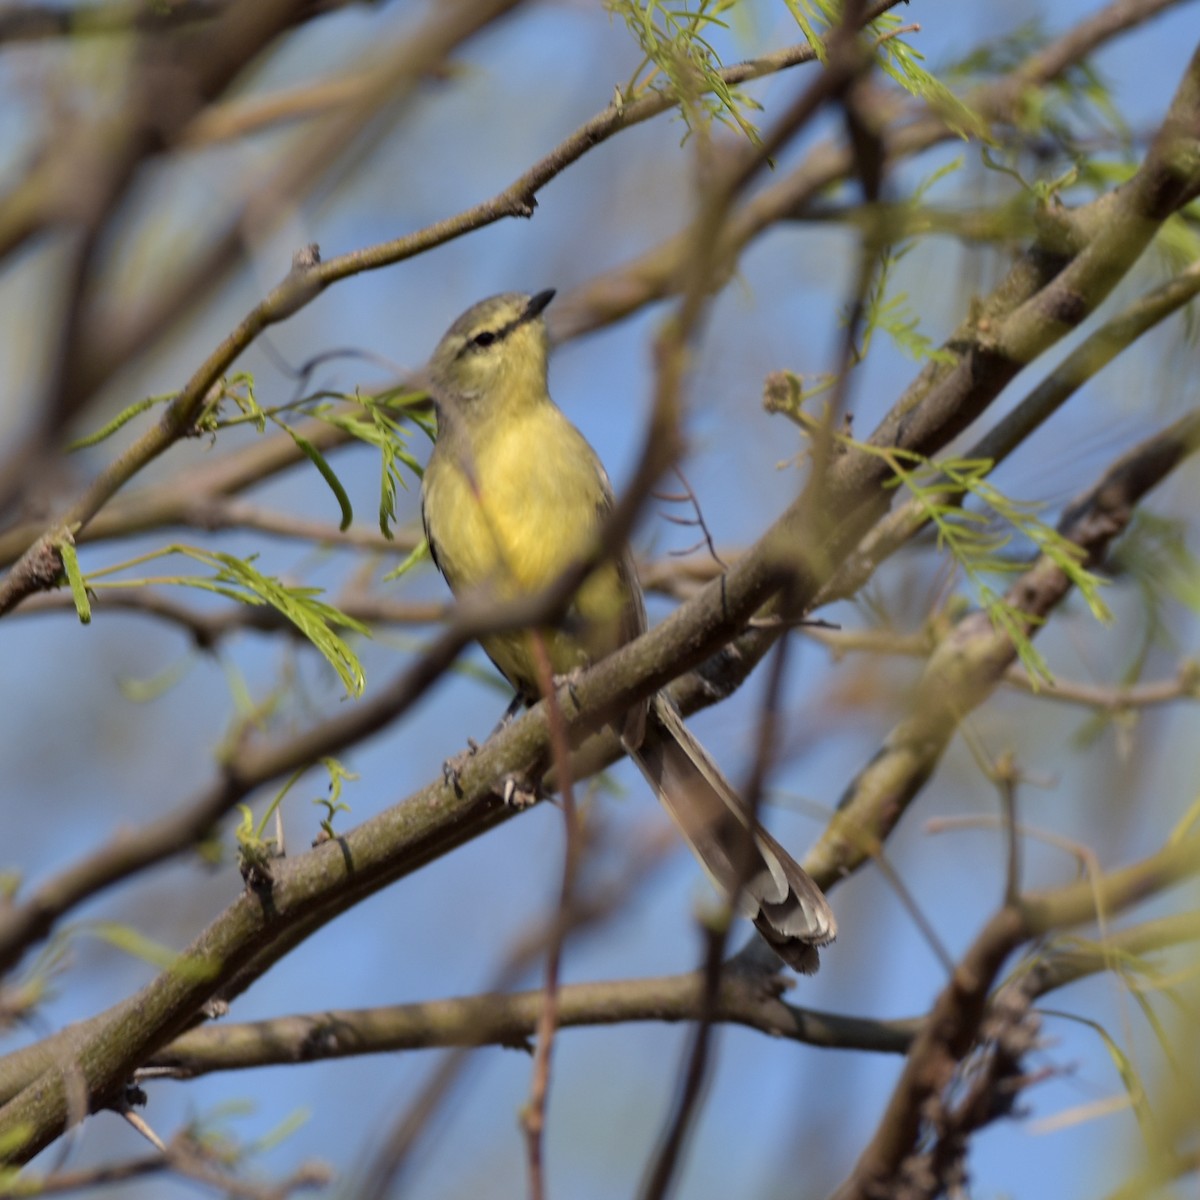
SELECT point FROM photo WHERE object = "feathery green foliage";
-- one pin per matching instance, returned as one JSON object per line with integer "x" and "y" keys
{"x": 980, "y": 547}
{"x": 678, "y": 57}
{"x": 318, "y": 460}
{"x": 981, "y": 541}
{"x": 214, "y": 1135}
{"x": 1153, "y": 554}
{"x": 332, "y": 802}
{"x": 1077, "y": 103}
{"x": 896, "y": 57}
{"x": 250, "y": 713}
{"x": 893, "y": 314}
{"x": 255, "y": 850}
{"x": 370, "y": 419}
{"x": 367, "y": 419}
{"x": 147, "y": 688}
{"x": 237, "y": 579}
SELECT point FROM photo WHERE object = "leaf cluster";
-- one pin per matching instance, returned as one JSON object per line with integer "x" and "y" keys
{"x": 678, "y": 56}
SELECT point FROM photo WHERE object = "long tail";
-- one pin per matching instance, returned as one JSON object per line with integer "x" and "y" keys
{"x": 740, "y": 857}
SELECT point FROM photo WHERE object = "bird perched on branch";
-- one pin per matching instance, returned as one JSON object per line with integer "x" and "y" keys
{"x": 513, "y": 495}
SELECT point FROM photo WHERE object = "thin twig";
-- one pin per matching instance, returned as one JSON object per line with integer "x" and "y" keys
{"x": 690, "y": 1092}
{"x": 533, "y": 1116}
{"x": 382, "y": 1176}
{"x": 1005, "y": 776}
{"x": 698, "y": 520}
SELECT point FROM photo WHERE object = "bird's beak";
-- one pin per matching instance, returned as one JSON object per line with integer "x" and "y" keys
{"x": 537, "y": 304}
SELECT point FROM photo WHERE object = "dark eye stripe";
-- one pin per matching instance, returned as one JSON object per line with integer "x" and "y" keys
{"x": 488, "y": 337}
{"x": 481, "y": 341}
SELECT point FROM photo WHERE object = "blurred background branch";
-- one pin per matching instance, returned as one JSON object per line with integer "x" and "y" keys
{"x": 954, "y": 252}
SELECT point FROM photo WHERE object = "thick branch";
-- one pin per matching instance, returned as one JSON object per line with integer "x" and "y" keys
{"x": 510, "y": 1020}
{"x": 973, "y": 659}
{"x": 505, "y": 1019}
{"x": 954, "y": 1022}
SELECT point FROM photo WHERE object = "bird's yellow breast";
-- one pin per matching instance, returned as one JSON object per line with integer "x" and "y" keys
{"x": 510, "y": 502}
{"x": 513, "y": 503}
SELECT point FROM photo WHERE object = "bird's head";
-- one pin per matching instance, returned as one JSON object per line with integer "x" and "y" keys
{"x": 496, "y": 350}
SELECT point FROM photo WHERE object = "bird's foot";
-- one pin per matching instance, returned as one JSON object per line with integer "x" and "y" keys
{"x": 452, "y": 768}
{"x": 519, "y": 791}
{"x": 568, "y": 681}
{"x": 510, "y": 715}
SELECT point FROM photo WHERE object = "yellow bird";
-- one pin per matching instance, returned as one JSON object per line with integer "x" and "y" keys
{"x": 512, "y": 496}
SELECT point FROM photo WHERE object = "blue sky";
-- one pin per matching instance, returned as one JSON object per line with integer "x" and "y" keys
{"x": 781, "y": 1120}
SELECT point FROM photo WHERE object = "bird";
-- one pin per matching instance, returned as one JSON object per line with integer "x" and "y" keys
{"x": 512, "y": 496}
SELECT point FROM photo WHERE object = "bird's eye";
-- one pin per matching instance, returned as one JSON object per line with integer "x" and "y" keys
{"x": 486, "y": 338}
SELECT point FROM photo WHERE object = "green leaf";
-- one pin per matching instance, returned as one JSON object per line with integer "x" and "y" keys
{"x": 937, "y": 488}
{"x": 280, "y": 1133}
{"x": 802, "y": 14}
{"x": 1154, "y": 551}
{"x": 240, "y": 389}
{"x": 1132, "y": 1082}
{"x": 418, "y": 554}
{"x": 373, "y": 424}
{"x": 999, "y": 55}
{"x": 136, "y": 944}
{"x": 300, "y": 605}
{"x": 338, "y": 775}
{"x": 892, "y": 314}
{"x": 122, "y": 418}
{"x": 79, "y": 594}
{"x": 332, "y": 803}
{"x": 902, "y": 62}
{"x": 319, "y": 461}
{"x": 142, "y": 691}
{"x": 237, "y": 579}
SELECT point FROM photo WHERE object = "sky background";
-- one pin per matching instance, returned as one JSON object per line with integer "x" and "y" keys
{"x": 81, "y": 759}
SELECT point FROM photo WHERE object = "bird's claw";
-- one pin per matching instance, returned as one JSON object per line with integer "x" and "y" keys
{"x": 452, "y": 768}
{"x": 517, "y": 792}
{"x": 569, "y": 680}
